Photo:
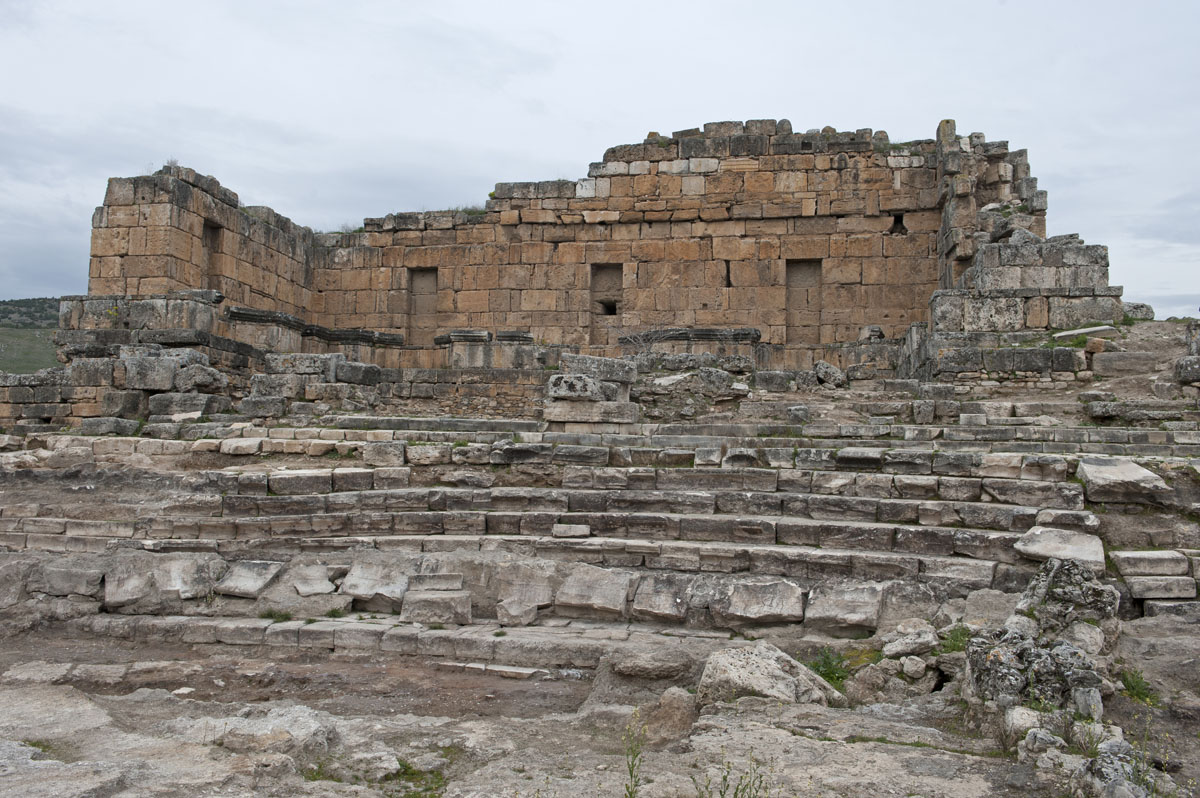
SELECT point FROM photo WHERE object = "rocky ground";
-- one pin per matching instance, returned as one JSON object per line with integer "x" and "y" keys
{"x": 83, "y": 716}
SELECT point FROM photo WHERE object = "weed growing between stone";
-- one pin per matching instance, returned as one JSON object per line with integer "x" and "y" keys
{"x": 830, "y": 666}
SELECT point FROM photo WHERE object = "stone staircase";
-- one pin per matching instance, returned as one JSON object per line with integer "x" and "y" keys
{"x": 695, "y": 526}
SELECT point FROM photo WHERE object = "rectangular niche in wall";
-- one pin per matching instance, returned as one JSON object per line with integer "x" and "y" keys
{"x": 211, "y": 242}
{"x": 605, "y": 305}
{"x": 804, "y": 302}
{"x": 422, "y": 307}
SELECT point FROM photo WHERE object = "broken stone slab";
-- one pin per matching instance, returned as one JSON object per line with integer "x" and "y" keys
{"x": 776, "y": 601}
{"x": 1116, "y": 480}
{"x": 846, "y": 610}
{"x": 766, "y": 671}
{"x": 1161, "y": 587}
{"x": 515, "y": 612}
{"x": 310, "y": 580}
{"x": 574, "y": 387}
{"x": 591, "y": 412}
{"x": 605, "y": 369}
{"x": 248, "y": 578}
{"x": 1102, "y": 331}
{"x": 1046, "y": 543}
{"x": 436, "y": 606}
{"x": 379, "y": 585}
{"x": 1151, "y": 563}
{"x": 595, "y": 590}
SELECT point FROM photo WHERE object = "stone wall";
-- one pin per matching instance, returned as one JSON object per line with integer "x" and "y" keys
{"x": 176, "y": 230}
{"x": 741, "y": 238}
{"x": 806, "y": 237}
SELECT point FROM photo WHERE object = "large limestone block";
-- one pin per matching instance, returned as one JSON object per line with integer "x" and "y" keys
{"x": 1046, "y": 543}
{"x": 764, "y": 671}
{"x": 248, "y": 578}
{"x": 1151, "y": 563}
{"x": 595, "y": 590}
{"x": 591, "y": 412}
{"x": 1115, "y": 480}
{"x": 605, "y": 369}
{"x": 845, "y": 610}
{"x": 777, "y": 601}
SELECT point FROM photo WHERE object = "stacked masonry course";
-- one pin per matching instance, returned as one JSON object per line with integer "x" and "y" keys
{"x": 797, "y": 240}
{"x": 735, "y": 377}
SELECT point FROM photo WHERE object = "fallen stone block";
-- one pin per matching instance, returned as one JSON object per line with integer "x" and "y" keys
{"x": 381, "y": 586}
{"x": 1045, "y": 543}
{"x": 763, "y": 670}
{"x": 248, "y": 578}
{"x": 1116, "y": 480}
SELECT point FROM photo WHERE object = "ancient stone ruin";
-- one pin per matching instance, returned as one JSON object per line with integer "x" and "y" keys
{"x": 777, "y": 455}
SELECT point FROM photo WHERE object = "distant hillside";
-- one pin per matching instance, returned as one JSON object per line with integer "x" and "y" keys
{"x": 40, "y": 313}
{"x": 27, "y": 334}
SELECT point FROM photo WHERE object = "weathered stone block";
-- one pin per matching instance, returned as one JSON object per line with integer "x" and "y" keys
{"x": 578, "y": 387}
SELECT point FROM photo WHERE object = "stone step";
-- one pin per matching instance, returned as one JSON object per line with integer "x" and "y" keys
{"x": 989, "y": 504}
{"x": 706, "y": 450}
{"x": 759, "y": 545}
{"x": 572, "y": 644}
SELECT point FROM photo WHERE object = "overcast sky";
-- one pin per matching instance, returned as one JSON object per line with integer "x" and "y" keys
{"x": 329, "y": 112}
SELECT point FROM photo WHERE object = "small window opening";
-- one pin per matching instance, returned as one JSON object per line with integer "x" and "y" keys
{"x": 727, "y": 283}
{"x": 806, "y": 145}
{"x": 607, "y": 307}
{"x": 898, "y": 228}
